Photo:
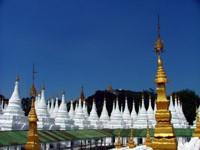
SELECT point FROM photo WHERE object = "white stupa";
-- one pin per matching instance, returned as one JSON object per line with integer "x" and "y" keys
{"x": 122, "y": 111}
{"x": 13, "y": 117}
{"x": 79, "y": 119}
{"x": 104, "y": 115}
{"x": 150, "y": 113}
{"x": 71, "y": 110}
{"x": 62, "y": 118}
{"x": 113, "y": 110}
{"x": 141, "y": 122}
{"x": 116, "y": 121}
{"x": 126, "y": 115}
{"x": 44, "y": 120}
{"x": 93, "y": 118}
{"x": 1, "y": 108}
{"x": 184, "y": 122}
{"x": 176, "y": 106}
{"x": 48, "y": 105}
{"x": 174, "y": 116}
{"x": 85, "y": 109}
{"x": 37, "y": 99}
{"x": 133, "y": 113}
{"x": 55, "y": 110}
{"x": 52, "y": 106}
{"x": 76, "y": 106}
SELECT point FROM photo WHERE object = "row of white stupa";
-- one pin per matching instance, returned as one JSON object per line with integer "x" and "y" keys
{"x": 58, "y": 118}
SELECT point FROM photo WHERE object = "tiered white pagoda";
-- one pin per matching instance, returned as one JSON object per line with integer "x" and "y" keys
{"x": 104, "y": 115}
{"x": 62, "y": 118}
{"x": 93, "y": 118}
{"x": 79, "y": 119}
{"x": 71, "y": 111}
{"x": 141, "y": 122}
{"x": 116, "y": 121}
{"x": 126, "y": 115}
{"x": 133, "y": 113}
{"x": 150, "y": 112}
{"x": 13, "y": 117}
{"x": 55, "y": 110}
{"x": 44, "y": 120}
{"x": 184, "y": 122}
{"x": 174, "y": 116}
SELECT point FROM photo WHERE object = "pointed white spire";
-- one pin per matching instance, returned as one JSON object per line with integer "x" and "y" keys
{"x": 150, "y": 112}
{"x": 85, "y": 109}
{"x": 174, "y": 116}
{"x": 116, "y": 121}
{"x": 104, "y": 115}
{"x": 122, "y": 109}
{"x": 133, "y": 113}
{"x": 55, "y": 108}
{"x": 126, "y": 115}
{"x": 62, "y": 118}
{"x": 142, "y": 117}
{"x": 13, "y": 117}
{"x": 113, "y": 109}
{"x": 48, "y": 105}
{"x": 52, "y": 106}
{"x": 71, "y": 111}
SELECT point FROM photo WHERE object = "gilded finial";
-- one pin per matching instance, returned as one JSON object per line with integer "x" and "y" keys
{"x": 148, "y": 138}
{"x": 142, "y": 95}
{"x": 133, "y": 100}
{"x": 82, "y": 97}
{"x": 110, "y": 87}
{"x": 175, "y": 95}
{"x": 114, "y": 101}
{"x": 117, "y": 98}
{"x": 52, "y": 97}
{"x": 72, "y": 99}
{"x": 56, "y": 94}
{"x": 63, "y": 92}
{"x": 171, "y": 93}
{"x": 49, "y": 99}
{"x": 131, "y": 143}
{"x": 118, "y": 145}
{"x": 39, "y": 92}
{"x": 126, "y": 98}
{"x": 159, "y": 44}
{"x": 17, "y": 78}
{"x": 150, "y": 96}
{"x": 94, "y": 101}
{"x": 104, "y": 98}
{"x": 43, "y": 88}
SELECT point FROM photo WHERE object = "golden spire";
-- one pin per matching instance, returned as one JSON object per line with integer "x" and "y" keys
{"x": 39, "y": 92}
{"x": 131, "y": 143}
{"x": 52, "y": 97}
{"x": 72, "y": 99}
{"x": 142, "y": 95}
{"x": 171, "y": 93}
{"x": 117, "y": 98}
{"x": 104, "y": 98}
{"x": 159, "y": 44}
{"x": 118, "y": 145}
{"x": 43, "y": 88}
{"x": 148, "y": 138}
{"x": 63, "y": 92}
{"x": 126, "y": 98}
{"x": 94, "y": 101}
{"x": 82, "y": 95}
{"x": 197, "y": 129}
{"x": 150, "y": 96}
{"x": 17, "y": 78}
{"x": 56, "y": 94}
{"x": 33, "y": 137}
{"x": 110, "y": 87}
{"x": 164, "y": 131}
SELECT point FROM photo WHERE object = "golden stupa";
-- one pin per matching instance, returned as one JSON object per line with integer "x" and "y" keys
{"x": 118, "y": 145}
{"x": 131, "y": 143}
{"x": 164, "y": 137}
{"x": 197, "y": 129}
{"x": 148, "y": 142}
{"x": 33, "y": 136}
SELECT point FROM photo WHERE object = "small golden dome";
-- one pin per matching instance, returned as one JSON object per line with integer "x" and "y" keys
{"x": 17, "y": 78}
{"x": 63, "y": 92}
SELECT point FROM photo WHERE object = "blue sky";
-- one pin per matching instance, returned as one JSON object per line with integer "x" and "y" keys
{"x": 92, "y": 43}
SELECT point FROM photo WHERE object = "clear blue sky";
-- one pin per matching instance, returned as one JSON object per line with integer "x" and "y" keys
{"x": 92, "y": 43}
